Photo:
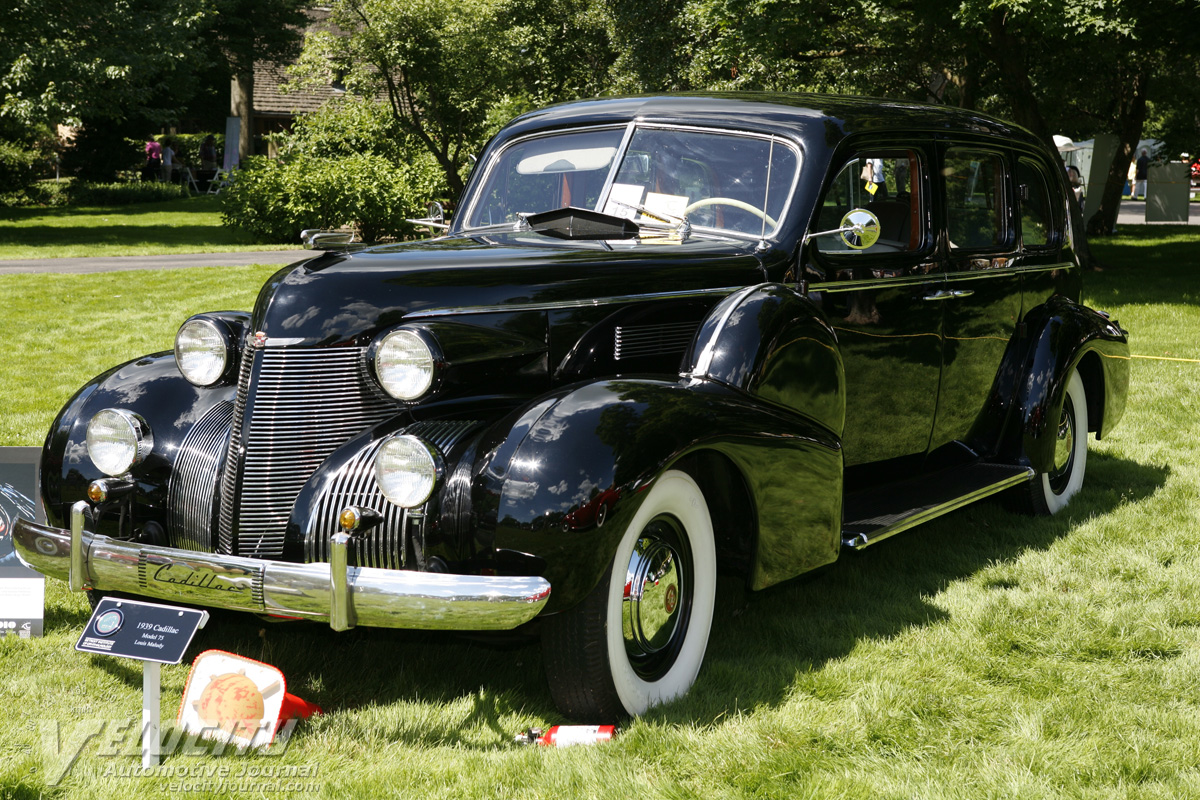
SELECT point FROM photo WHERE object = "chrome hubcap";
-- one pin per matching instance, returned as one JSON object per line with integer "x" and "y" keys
{"x": 1064, "y": 448}
{"x": 657, "y": 599}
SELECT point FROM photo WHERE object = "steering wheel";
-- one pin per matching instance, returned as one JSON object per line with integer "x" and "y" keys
{"x": 729, "y": 201}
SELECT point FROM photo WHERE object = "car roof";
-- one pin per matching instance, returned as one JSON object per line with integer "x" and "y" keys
{"x": 801, "y": 116}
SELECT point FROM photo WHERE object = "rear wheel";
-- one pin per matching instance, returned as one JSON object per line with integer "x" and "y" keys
{"x": 1049, "y": 492}
{"x": 639, "y": 638}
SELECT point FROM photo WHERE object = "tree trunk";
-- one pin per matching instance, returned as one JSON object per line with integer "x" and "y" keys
{"x": 1131, "y": 117}
{"x": 1006, "y": 51}
{"x": 241, "y": 105}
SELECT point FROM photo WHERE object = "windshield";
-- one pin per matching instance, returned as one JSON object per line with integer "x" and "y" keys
{"x": 721, "y": 181}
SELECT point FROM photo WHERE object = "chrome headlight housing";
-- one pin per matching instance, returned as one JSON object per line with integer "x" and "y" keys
{"x": 407, "y": 470}
{"x": 405, "y": 363}
{"x": 202, "y": 350}
{"x": 117, "y": 440}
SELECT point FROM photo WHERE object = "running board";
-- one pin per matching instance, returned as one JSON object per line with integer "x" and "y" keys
{"x": 873, "y": 517}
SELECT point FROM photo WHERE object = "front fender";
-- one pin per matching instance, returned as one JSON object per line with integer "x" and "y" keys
{"x": 152, "y": 387}
{"x": 562, "y": 478}
{"x": 1067, "y": 336}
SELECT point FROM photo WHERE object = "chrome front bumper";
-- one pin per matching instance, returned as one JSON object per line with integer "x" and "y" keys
{"x": 335, "y": 593}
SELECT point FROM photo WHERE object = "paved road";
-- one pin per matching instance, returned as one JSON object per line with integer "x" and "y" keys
{"x": 1132, "y": 213}
{"x": 114, "y": 263}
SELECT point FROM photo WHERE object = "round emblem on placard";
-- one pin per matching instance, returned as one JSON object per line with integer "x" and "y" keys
{"x": 672, "y": 598}
{"x": 109, "y": 622}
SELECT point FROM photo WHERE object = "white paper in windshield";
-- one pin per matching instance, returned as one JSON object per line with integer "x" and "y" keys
{"x": 623, "y": 200}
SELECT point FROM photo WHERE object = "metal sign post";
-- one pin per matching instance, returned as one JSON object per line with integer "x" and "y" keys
{"x": 148, "y": 632}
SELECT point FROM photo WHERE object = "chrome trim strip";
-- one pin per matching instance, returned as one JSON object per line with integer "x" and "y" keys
{"x": 907, "y": 280}
{"x": 859, "y": 541}
{"x": 382, "y": 598}
{"x": 700, "y": 370}
{"x": 876, "y": 283}
{"x": 565, "y": 304}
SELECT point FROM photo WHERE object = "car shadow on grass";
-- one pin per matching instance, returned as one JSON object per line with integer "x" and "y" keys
{"x": 443, "y": 689}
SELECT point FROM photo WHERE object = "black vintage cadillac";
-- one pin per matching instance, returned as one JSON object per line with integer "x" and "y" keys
{"x": 662, "y": 338}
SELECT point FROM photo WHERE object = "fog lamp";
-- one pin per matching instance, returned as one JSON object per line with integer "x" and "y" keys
{"x": 407, "y": 470}
{"x": 117, "y": 440}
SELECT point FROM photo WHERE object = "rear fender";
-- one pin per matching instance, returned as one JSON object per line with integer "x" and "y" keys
{"x": 771, "y": 342}
{"x": 1066, "y": 336}
{"x": 562, "y": 478}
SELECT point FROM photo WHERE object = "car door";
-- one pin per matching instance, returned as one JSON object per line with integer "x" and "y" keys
{"x": 889, "y": 334}
{"x": 981, "y": 299}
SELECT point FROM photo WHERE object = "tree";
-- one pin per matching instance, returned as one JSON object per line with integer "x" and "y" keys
{"x": 1061, "y": 61}
{"x": 63, "y": 62}
{"x": 441, "y": 68}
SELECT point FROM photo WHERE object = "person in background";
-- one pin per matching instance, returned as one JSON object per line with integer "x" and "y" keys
{"x": 153, "y": 161}
{"x": 1139, "y": 184}
{"x": 168, "y": 160}
{"x": 208, "y": 153}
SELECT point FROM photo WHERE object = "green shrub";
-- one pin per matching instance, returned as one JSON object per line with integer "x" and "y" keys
{"x": 275, "y": 200}
{"x": 123, "y": 194}
{"x": 347, "y": 165}
{"x": 19, "y": 169}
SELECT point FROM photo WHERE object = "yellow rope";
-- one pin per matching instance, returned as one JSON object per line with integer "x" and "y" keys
{"x": 1168, "y": 358}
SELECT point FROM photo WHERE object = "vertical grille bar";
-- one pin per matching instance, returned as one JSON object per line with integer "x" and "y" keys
{"x": 233, "y": 457}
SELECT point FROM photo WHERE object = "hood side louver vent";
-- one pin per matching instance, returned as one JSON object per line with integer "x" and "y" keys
{"x": 638, "y": 341}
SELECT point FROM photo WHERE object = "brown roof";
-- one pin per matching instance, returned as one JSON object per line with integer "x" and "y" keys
{"x": 270, "y": 97}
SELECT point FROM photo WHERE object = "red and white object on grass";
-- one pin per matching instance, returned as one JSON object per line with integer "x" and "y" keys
{"x": 237, "y": 700}
{"x": 568, "y": 735}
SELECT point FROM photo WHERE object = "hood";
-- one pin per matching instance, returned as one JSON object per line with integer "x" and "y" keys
{"x": 340, "y": 298}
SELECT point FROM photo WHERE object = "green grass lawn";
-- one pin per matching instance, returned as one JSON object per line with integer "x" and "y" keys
{"x": 188, "y": 225}
{"x": 984, "y": 655}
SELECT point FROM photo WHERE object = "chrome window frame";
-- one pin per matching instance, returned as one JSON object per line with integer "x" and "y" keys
{"x": 630, "y": 129}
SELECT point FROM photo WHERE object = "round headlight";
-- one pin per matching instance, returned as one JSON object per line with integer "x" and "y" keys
{"x": 117, "y": 440}
{"x": 404, "y": 365}
{"x": 201, "y": 352}
{"x": 407, "y": 470}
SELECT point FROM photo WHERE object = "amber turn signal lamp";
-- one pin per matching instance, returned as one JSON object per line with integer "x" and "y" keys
{"x": 105, "y": 489}
{"x": 356, "y": 519}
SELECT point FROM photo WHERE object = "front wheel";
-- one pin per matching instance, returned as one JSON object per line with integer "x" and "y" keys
{"x": 1049, "y": 492}
{"x": 639, "y": 638}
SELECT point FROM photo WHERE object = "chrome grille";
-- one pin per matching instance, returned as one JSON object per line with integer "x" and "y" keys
{"x": 305, "y": 404}
{"x": 386, "y": 544}
{"x": 633, "y": 341}
{"x": 193, "y": 488}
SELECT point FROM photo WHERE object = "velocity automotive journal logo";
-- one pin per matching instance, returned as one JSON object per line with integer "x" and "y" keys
{"x": 64, "y": 743}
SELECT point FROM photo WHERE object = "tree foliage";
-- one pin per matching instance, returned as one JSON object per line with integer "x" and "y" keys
{"x": 441, "y": 68}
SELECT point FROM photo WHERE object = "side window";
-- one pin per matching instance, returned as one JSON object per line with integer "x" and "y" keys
{"x": 976, "y": 207}
{"x": 1037, "y": 219}
{"x": 888, "y": 184}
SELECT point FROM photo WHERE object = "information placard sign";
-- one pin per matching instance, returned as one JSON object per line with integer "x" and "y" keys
{"x": 144, "y": 631}
{"x": 22, "y": 591}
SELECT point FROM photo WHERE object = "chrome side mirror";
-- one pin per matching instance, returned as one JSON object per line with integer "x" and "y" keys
{"x": 435, "y": 218}
{"x": 859, "y": 229}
